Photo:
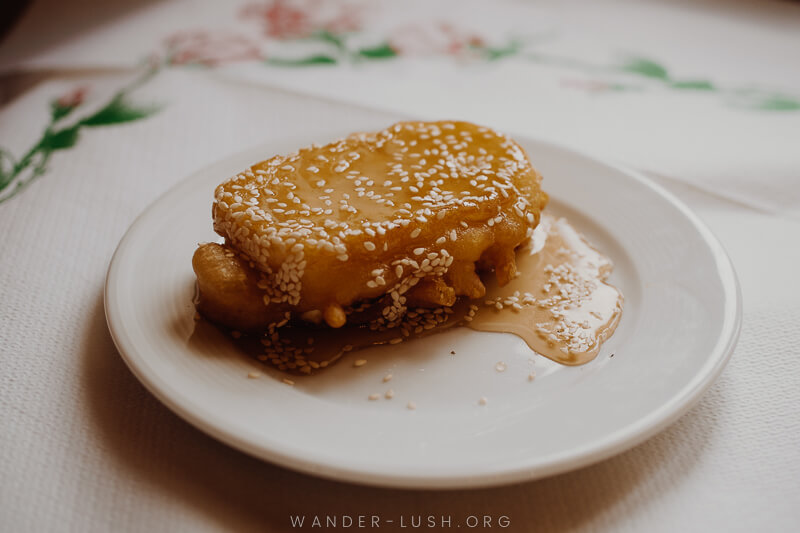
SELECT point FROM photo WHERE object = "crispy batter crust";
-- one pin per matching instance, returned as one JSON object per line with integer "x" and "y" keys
{"x": 400, "y": 216}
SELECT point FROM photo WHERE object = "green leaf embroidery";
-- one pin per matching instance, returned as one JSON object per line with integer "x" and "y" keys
{"x": 117, "y": 111}
{"x": 58, "y": 111}
{"x": 329, "y": 37}
{"x": 779, "y": 102}
{"x": 493, "y": 54}
{"x": 7, "y": 165}
{"x": 382, "y": 51}
{"x": 302, "y": 62}
{"x": 696, "y": 85}
{"x": 761, "y": 100}
{"x": 59, "y": 140}
{"x": 645, "y": 67}
{"x": 37, "y": 161}
{"x": 15, "y": 176}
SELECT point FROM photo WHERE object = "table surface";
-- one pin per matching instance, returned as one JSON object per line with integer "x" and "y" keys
{"x": 84, "y": 447}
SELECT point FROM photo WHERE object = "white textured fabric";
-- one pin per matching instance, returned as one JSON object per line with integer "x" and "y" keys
{"x": 83, "y": 447}
{"x": 565, "y": 83}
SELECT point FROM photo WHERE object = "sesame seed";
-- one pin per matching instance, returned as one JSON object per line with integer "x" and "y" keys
{"x": 279, "y": 213}
{"x": 373, "y": 397}
{"x": 254, "y": 375}
{"x": 500, "y": 366}
{"x": 387, "y": 377}
{"x": 389, "y": 394}
{"x": 360, "y": 362}
{"x": 369, "y": 246}
{"x": 411, "y": 406}
{"x": 288, "y": 381}
{"x": 483, "y": 400}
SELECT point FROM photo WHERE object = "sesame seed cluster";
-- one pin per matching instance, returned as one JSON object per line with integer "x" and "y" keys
{"x": 560, "y": 305}
{"x": 567, "y": 288}
{"x": 289, "y": 351}
{"x": 373, "y": 214}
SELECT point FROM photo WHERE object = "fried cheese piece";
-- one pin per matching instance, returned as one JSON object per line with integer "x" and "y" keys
{"x": 402, "y": 216}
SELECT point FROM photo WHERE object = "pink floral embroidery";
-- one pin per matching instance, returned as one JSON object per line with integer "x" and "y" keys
{"x": 438, "y": 38}
{"x": 73, "y": 98}
{"x": 280, "y": 19}
{"x": 283, "y": 19}
{"x": 460, "y": 41}
{"x": 210, "y": 49}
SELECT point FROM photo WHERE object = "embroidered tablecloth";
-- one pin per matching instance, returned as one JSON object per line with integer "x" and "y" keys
{"x": 141, "y": 96}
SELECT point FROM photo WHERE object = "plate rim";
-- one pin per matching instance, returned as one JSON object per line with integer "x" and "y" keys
{"x": 612, "y": 444}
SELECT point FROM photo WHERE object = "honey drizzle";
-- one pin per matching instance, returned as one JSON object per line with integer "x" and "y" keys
{"x": 565, "y": 310}
{"x": 559, "y": 304}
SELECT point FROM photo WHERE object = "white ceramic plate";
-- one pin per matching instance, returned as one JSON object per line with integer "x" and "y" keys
{"x": 680, "y": 323}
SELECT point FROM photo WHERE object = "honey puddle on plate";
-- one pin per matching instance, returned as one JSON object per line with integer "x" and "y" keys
{"x": 559, "y": 304}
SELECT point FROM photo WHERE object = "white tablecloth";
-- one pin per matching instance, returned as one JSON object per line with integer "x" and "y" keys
{"x": 706, "y": 92}
{"x": 83, "y": 447}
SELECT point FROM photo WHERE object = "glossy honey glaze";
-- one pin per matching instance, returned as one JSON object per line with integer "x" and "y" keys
{"x": 559, "y": 304}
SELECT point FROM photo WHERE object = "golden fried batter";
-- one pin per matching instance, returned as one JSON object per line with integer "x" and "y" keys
{"x": 398, "y": 217}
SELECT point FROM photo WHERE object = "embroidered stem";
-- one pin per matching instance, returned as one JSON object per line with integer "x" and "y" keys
{"x": 16, "y": 176}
